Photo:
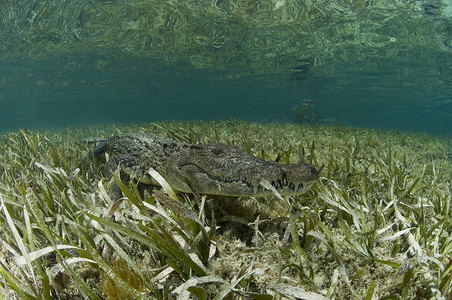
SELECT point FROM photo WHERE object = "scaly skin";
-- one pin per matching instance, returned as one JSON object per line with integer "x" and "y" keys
{"x": 212, "y": 169}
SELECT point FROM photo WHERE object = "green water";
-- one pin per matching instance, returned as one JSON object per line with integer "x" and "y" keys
{"x": 378, "y": 64}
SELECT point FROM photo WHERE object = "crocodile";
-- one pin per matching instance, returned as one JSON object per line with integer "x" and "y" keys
{"x": 211, "y": 169}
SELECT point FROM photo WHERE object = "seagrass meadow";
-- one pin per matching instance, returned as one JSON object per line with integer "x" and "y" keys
{"x": 376, "y": 225}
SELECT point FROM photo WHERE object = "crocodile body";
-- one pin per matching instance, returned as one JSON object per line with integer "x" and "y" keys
{"x": 212, "y": 169}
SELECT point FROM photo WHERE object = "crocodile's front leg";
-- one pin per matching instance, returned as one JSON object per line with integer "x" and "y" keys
{"x": 130, "y": 167}
{"x": 111, "y": 166}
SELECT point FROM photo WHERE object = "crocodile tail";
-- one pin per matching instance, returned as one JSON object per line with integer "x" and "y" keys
{"x": 97, "y": 151}
{"x": 94, "y": 140}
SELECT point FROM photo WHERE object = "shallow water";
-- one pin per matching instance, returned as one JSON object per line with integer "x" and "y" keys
{"x": 392, "y": 85}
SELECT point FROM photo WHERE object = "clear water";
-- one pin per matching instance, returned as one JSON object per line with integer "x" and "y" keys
{"x": 409, "y": 90}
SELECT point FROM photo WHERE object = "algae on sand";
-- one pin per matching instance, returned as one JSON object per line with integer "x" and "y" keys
{"x": 376, "y": 223}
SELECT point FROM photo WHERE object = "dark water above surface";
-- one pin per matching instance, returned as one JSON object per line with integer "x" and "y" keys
{"x": 359, "y": 66}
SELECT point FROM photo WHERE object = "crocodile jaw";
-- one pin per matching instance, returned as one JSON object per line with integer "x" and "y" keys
{"x": 228, "y": 187}
{"x": 241, "y": 186}
{"x": 225, "y": 170}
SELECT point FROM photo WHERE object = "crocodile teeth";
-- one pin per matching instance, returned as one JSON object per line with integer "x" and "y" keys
{"x": 277, "y": 184}
{"x": 233, "y": 179}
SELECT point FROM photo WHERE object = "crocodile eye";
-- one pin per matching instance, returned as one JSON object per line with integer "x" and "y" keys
{"x": 217, "y": 151}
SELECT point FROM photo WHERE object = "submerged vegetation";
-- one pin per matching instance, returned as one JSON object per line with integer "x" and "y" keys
{"x": 375, "y": 226}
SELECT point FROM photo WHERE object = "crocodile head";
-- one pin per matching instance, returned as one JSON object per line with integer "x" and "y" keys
{"x": 225, "y": 170}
